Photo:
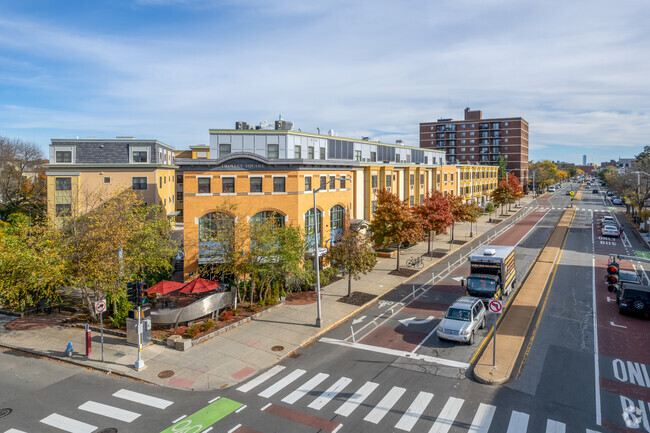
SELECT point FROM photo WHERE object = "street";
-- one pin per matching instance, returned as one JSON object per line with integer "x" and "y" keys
{"x": 585, "y": 367}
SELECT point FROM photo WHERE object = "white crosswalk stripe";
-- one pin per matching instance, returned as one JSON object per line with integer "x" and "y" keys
{"x": 282, "y": 383}
{"x": 331, "y": 392}
{"x": 142, "y": 399}
{"x": 109, "y": 411}
{"x": 305, "y": 388}
{"x": 447, "y": 415}
{"x": 482, "y": 418}
{"x": 68, "y": 424}
{"x": 385, "y": 405}
{"x": 356, "y": 399}
{"x": 555, "y": 427}
{"x": 261, "y": 378}
{"x": 518, "y": 422}
{"x": 413, "y": 413}
{"x": 13, "y": 430}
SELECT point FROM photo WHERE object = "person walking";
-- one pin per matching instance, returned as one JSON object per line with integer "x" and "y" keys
{"x": 620, "y": 231}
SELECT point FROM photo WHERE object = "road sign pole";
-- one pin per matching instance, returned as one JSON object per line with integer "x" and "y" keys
{"x": 494, "y": 344}
{"x": 139, "y": 364}
{"x": 101, "y": 327}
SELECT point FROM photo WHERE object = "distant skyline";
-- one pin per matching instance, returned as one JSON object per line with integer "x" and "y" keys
{"x": 173, "y": 69}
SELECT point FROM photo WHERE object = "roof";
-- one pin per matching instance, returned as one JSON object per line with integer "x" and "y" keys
{"x": 501, "y": 252}
{"x": 465, "y": 301}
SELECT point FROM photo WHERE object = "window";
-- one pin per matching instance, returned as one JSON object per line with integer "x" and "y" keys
{"x": 228, "y": 185}
{"x": 310, "y": 152}
{"x": 357, "y": 155}
{"x": 445, "y": 177}
{"x": 204, "y": 185}
{"x": 201, "y": 154}
{"x": 310, "y": 225}
{"x": 336, "y": 222}
{"x": 342, "y": 182}
{"x": 412, "y": 179}
{"x": 307, "y": 183}
{"x": 322, "y": 153}
{"x": 332, "y": 184}
{"x": 421, "y": 198}
{"x": 139, "y": 156}
{"x": 179, "y": 196}
{"x": 373, "y": 206}
{"x": 63, "y": 156}
{"x": 374, "y": 180}
{"x": 278, "y": 184}
{"x": 63, "y": 209}
{"x": 161, "y": 182}
{"x": 224, "y": 149}
{"x": 216, "y": 235}
{"x": 139, "y": 183}
{"x": 273, "y": 151}
{"x": 297, "y": 152}
{"x": 373, "y": 156}
{"x": 107, "y": 179}
{"x": 179, "y": 178}
{"x": 411, "y": 200}
{"x": 451, "y": 177}
{"x": 388, "y": 181}
{"x": 421, "y": 179}
{"x": 438, "y": 178}
{"x": 323, "y": 182}
{"x": 255, "y": 184}
{"x": 63, "y": 183}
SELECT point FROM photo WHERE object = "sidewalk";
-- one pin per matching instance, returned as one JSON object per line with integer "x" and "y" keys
{"x": 241, "y": 352}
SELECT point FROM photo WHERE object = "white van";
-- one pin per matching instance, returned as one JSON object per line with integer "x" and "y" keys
{"x": 551, "y": 189}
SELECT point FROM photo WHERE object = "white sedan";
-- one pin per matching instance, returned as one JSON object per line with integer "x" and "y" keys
{"x": 610, "y": 230}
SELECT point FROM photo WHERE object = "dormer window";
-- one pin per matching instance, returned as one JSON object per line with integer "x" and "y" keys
{"x": 63, "y": 156}
{"x": 139, "y": 156}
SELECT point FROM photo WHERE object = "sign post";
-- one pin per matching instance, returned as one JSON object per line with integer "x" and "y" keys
{"x": 100, "y": 307}
{"x": 496, "y": 307}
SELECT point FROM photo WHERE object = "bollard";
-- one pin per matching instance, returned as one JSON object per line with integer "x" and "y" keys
{"x": 68, "y": 349}
{"x": 89, "y": 349}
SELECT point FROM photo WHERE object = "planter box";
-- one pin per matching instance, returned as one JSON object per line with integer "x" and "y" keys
{"x": 386, "y": 254}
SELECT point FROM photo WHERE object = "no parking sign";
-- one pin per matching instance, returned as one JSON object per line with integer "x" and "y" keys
{"x": 496, "y": 306}
{"x": 100, "y": 306}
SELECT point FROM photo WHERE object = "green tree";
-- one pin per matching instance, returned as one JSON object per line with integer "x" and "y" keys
{"x": 353, "y": 256}
{"x": 503, "y": 166}
{"x": 546, "y": 173}
{"x": 31, "y": 268}
{"x": 394, "y": 222}
{"x": 501, "y": 195}
{"x": 572, "y": 171}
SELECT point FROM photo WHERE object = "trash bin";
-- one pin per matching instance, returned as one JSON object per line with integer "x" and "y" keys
{"x": 132, "y": 331}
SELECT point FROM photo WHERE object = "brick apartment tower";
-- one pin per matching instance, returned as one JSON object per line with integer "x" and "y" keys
{"x": 475, "y": 140}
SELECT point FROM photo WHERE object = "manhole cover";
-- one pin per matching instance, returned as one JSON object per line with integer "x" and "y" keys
{"x": 108, "y": 430}
{"x": 277, "y": 348}
{"x": 165, "y": 374}
{"x": 4, "y": 412}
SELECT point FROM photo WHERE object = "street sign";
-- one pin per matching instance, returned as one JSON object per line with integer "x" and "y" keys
{"x": 496, "y": 306}
{"x": 100, "y": 306}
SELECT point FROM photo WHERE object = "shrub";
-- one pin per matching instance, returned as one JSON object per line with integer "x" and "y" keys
{"x": 226, "y": 315}
{"x": 235, "y": 311}
{"x": 207, "y": 325}
{"x": 193, "y": 331}
{"x": 489, "y": 208}
{"x": 179, "y": 331}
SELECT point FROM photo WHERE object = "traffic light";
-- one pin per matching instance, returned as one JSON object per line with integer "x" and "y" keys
{"x": 613, "y": 278}
{"x": 136, "y": 293}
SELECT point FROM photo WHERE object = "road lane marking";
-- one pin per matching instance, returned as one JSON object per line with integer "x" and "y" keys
{"x": 518, "y": 422}
{"x": 205, "y": 417}
{"x": 143, "y": 399}
{"x": 305, "y": 388}
{"x": 234, "y": 428}
{"x": 413, "y": 413}
{"x": 618, "y": 326}
{"x": 68, "y": 424}
{"x": 214, "y": 399}
{"x": 240, "y": 409}
{"x": 109, "y": 411}
{"x": 385, "y": 405}
{"x": 281, "y": 384}
{"x": 424, "y": 339}
{"x": 482, "y": 418}
{"x": 261, "y": 378}
{"x": 331, "y": 392}
{"x": 13, "y": 430}
{"x": 555, "y": 427}
{"x": 179, "y": 418}
{"x": 356, "y": 399}
{"x": 395, "y": 352}
{"x": 447, "y": 415}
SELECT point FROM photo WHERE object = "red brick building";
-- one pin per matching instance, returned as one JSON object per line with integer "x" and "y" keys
{"x": 475, "y": 140}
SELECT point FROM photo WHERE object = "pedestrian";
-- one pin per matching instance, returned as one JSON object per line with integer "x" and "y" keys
{"x": 621, "y": 231}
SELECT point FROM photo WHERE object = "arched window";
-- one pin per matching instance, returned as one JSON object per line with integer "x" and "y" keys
{"x": 309, "y": 228}
{"x": 263, "y": 225}
{"x": 216, "y": 232}
{"x": 337, "y": 213}
{"x": 268, "y": 216}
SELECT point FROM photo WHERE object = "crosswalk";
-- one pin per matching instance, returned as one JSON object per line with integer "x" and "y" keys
{"x": 110, "y": 411}
{"x": 324, "y": 389}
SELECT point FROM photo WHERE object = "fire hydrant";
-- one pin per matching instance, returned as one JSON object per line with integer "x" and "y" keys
{"x": 68, "y": 350}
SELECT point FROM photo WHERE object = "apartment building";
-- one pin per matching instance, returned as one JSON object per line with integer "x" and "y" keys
{"x": 475, "y": 140}
{"x": 83, "y": 173}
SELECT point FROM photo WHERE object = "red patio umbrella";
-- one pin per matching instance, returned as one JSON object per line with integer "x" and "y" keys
{"x": 164, "y": 287}
{"x": 200, "y": 285}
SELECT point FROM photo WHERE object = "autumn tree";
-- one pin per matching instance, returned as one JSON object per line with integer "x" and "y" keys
{"x": 546, "y": 173}
{"x": 394, "y": 221}
{"x": 352, "y": 255}
{"x": 462, "y": 212}
{"x": 435, "y": 214}
{"x": 501, "y": 195}
{"x": 515, "y": 191}
{"x": 31, "y": 265}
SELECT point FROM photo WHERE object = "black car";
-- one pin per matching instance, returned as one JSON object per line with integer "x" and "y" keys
{"x": 595, "y": 191}
{"x": 633, "y": 299}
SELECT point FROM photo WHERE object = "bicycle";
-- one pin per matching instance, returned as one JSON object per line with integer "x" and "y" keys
{"x": 415, "y": 262}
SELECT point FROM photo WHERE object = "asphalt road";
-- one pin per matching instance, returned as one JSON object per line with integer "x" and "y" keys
{"x": 394, "y": 374}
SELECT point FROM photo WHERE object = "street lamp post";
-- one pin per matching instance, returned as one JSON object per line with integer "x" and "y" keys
{"x": 638, "y": 185}
{"x": 471, "y": 225}
{"x": 316, "y": 263}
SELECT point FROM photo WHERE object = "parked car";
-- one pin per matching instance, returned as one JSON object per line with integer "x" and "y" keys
{"x": 609, "y": 193}
{"x": 610, "y": 230}
{"x": 617, "y": 201}
{"x": 594, "y": 191}
{"x": 608, "y": 220}
{"x": 462, "y": 319}
{"x": 633, "y": 299}
{"x": 551, "y": 188}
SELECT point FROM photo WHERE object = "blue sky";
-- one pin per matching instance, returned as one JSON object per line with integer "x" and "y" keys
{"x": 173, "y": 69}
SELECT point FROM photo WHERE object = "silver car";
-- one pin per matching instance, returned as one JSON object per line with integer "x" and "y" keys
{"x": 609, "y": 230}
{"x": 462, "y": 319}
